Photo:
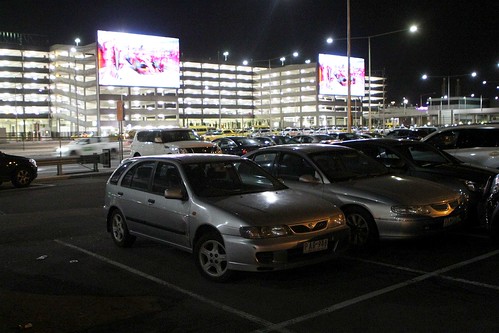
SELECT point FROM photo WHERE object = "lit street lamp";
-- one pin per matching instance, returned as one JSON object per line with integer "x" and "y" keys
{"x": 412, "y": 29}
{"x": 329, "y": 40}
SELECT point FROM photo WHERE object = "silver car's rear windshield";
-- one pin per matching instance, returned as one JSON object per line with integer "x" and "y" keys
{"x": 229, "y": 178}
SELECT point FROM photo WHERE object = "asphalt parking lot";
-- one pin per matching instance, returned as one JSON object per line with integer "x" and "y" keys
{"x": 61, "y": 272}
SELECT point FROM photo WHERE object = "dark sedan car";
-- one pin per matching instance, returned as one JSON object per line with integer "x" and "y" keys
{"x": 17, "y": 169}
{"x": 237, "y": 145}
{"x": 415, "y": 158}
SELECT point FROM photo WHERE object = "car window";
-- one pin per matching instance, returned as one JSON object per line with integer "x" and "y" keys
{"x": 478, "y": 138}
{"x": 118, "y": 172}
{"x": 292, "y": 167}
{"x": 229, "y": 178}
{"x": 343, "y": 165}
{"x": 166, "y": 177}
{"x": 180, "y": 135}
{"x": 389, "y": 158}
{"x": 425, "y": 156}
{"x": 139, "y": 176}
{"x": 266, "y": 161}
{"x": 445, "y": 140}
{"x": 146, "y": 136}
{"x": 386, "y": 156}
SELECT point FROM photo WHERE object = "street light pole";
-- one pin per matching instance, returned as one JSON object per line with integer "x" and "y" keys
{"x": 225, "y": 54}
{"x": 349, "y": 79}
{"x": 412, "y": 29}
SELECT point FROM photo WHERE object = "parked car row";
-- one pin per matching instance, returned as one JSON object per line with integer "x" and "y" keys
{"x": 260, "y": 212}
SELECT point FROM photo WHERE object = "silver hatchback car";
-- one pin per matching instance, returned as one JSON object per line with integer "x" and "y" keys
{"x": 377, "y": 204}
{"x": 224, "y": 209}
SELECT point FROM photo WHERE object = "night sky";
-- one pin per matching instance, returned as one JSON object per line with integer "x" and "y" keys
{"x": 454, "y": 37}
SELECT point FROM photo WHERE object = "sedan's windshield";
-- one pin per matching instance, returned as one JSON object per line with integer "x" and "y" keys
{"x": 344, "y": 165}
{"x": 229, "y": 178}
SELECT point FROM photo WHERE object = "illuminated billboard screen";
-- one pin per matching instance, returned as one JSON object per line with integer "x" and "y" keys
{"x": 138, "y": 60}
{"x": 333, "y": 75}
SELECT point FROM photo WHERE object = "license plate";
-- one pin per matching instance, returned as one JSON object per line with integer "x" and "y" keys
{"x": 448, "y": 221}
{"x": 314, "y": 246}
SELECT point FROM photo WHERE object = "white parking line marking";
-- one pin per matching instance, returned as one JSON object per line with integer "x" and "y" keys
{"x": 478, "y": 284}
{"x": 218, "y": 305}
{"x": 376, "y": 293}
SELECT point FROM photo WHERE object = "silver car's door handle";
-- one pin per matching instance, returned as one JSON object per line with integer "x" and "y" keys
{"x": 151, "y": 201}
{"x": 120, "y": 194}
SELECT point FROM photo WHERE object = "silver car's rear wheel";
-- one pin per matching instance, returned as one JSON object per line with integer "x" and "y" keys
{"x": 363, "y": 231}
{"x": 211, "y": 257}
{"x": 119, "y": 230}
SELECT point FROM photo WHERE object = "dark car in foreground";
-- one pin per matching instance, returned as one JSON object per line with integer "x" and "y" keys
{"x": 224, "y": 209}
{"x": 19, "y": 170}
{"x": 377, "y": 204}
{"x": 419, "y": 159}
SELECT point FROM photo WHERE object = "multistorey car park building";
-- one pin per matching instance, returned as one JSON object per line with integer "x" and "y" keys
{"x": 53, "y": 91}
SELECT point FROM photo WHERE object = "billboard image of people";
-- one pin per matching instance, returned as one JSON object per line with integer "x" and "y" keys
{"x": 126, "y": 59}
{"x": 333, "y": 74}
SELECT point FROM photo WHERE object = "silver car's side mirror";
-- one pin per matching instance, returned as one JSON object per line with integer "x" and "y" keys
{"x": 308, "y": 179}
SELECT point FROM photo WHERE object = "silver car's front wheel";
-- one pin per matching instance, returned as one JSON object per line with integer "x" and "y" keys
{"x": 211, "y": 257}
{"x": 119, "y": 230}
{"x": 363, "y": 229}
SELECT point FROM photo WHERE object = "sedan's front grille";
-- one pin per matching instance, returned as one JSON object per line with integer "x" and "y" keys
{"x": 308, "y": 227}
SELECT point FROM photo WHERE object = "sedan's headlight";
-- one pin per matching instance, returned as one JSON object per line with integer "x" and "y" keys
{"x": 412, "y": 210}
{"x": 33, "y": 162}
{"x": 265, "y": 232}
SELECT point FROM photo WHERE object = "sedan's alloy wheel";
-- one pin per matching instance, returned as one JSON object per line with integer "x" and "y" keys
{"x": 211, "y": 257}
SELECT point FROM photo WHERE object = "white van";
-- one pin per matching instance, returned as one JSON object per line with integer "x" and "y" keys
{"x": 170, "y": 141}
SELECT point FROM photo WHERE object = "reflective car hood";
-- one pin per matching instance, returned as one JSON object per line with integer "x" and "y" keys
{"x": 395, "y": 190}
{"x": 266, "y": 208}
